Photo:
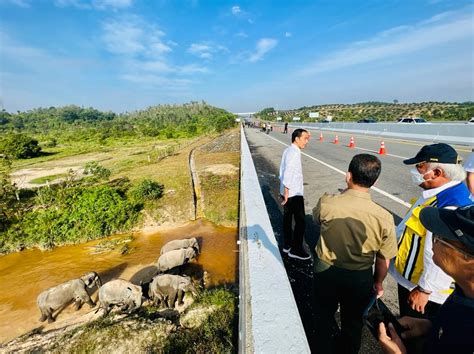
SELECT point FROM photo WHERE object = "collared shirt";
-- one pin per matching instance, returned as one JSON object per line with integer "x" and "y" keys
{"x": 432, "y": 277}
{"x": 291, "y": 172}
{"x": 354, "y": 230}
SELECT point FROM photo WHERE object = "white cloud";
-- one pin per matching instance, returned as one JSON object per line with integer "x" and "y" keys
{"x": 236, "y": 10}
{"x": 398, "y": 41}
{"x": 288, "y": 34}
{"x": 95, "y": 4}
{"x": 264, "y": 45}
{"x": 205, "y": 50}
{"x": 133, "y": 36}
{"x": 241, "y": 34}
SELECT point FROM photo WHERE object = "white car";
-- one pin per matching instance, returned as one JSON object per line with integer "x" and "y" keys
{"x": 416, "y": 120}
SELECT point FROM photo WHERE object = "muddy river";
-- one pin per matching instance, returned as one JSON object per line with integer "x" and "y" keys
{"x": 25, "y": 274}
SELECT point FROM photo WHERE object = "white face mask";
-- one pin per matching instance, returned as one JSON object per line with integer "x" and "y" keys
{"x": 417, "y": 177}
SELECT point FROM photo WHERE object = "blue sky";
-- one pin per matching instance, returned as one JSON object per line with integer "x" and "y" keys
{"x": 123, "y": 55}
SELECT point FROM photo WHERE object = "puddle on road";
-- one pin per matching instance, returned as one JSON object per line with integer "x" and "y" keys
{"x": 25, "y": 274}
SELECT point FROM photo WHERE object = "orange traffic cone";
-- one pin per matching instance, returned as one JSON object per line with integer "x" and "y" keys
{"x": 351, "y": 143}
{"x": 382, "y": 148}
{"x": 321, "y": 136}
{"x": 336, "y": 140}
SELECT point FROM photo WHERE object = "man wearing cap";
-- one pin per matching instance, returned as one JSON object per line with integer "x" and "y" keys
{"x": 453, "y": 251}
{"x": 422, "y": 285}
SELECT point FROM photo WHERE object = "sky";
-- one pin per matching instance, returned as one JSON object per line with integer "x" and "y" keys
{"x": 126, "y": 55}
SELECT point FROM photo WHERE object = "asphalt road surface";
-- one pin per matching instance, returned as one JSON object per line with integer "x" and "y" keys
{"x": 324, "y": 167}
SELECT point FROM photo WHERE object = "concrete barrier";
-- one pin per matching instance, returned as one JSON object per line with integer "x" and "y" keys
{"x": 451, "y": 133}
{"x": 269, "y": 321}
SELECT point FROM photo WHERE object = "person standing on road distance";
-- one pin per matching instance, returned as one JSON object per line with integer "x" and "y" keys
{"x": 453, "y": 251}
{"x": 422, "y": 285}
{"x": 285, "y": 130}
{"x": 291, "y": 193}
{"x": 355, "y": 235}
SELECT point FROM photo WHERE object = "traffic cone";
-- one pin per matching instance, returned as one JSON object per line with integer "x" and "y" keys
{"x": 351, "y": 143}
{"x": 321, "y": 136}
{"x": 382, "y": 148}
{"x": 336, "y": 140}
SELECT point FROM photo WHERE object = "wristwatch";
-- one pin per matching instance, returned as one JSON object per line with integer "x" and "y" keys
{"x": 419, "y": 288}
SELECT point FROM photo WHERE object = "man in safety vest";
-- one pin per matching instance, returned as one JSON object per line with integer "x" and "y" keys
{"x": 423, "y": 286}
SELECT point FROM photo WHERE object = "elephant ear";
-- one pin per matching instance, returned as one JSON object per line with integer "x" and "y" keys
{"x": 126, "y": 293}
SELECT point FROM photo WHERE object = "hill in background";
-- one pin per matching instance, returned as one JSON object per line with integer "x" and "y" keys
{"x": 382, "y": 111}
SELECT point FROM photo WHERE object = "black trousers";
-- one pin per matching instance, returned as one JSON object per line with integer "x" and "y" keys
{"x": 351, "y": 289}
{"x": 294, "y": 210}
{"x": 431, "y": 308}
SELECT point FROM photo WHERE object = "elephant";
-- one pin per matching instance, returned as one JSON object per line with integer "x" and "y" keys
{"x": 121, "y": 293}
{"x": 168, "y": 288}
{"x": 179, "y": 244}
{"x": 175, "y": 258}
{"x": 61, "y": 295}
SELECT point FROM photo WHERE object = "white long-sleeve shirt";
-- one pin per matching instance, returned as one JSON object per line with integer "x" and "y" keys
{"x": 291, "y": 171}
{"x": 432, "y": 278}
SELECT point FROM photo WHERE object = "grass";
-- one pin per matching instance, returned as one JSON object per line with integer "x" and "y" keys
{"x": 220, "y": 192}
{"x": 45, "y": 179}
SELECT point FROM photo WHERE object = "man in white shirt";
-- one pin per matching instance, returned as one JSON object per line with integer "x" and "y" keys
{"x": 291, "y": 192}
{"x": 422, "y": 286}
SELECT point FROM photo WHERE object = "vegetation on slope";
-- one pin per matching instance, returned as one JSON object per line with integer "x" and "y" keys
{"x": 382, "y": 111}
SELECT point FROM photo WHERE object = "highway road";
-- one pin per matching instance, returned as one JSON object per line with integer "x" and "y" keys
{"x": 324, "y": 167}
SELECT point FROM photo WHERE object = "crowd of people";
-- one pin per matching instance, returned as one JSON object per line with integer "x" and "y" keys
{"x": 430, "y": 253}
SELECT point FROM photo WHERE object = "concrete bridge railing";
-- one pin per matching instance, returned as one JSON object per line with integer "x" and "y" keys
{"x": 269, "y": 321}
{"x": 451, "y": 133}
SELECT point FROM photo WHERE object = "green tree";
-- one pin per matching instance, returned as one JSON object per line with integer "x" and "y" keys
{"x": 20, "y": 146}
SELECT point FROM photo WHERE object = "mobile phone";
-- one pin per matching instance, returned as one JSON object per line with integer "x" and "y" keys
{"x": 377, "y": 312}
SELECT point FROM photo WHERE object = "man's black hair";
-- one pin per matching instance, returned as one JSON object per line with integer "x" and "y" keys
{"x": 365, "y": 169}
{"x": 297, "y": 134}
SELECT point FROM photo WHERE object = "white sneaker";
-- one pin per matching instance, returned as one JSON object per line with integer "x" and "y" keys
{"x": 300, "y": 255}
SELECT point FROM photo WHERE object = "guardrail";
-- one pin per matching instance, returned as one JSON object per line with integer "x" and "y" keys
{"x": 435, "y": 132}
{"x": 269, "y": 321}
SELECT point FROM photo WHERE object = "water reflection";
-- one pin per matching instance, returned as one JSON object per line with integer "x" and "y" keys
{"x": 25, "y": 274}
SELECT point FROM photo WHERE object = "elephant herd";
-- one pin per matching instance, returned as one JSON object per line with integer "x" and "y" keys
{"x": 166, "y": 287}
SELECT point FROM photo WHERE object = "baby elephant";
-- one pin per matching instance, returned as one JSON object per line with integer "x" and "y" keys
{"x": 61, "y": 295}
{"x": 179, "y": 244}
{"x": 176, "y": 258}
{"x": 168, "y": 288}
{"x": 121, "y": 293}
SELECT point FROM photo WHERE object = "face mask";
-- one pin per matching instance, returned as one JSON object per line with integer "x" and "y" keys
{"x": 417, "y": 177}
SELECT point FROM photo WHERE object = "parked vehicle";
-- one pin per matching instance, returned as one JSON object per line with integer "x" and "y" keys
{"x": 471, "y": 121}
{"x": 416, "y": 120}
{"x": 367, "y": 120}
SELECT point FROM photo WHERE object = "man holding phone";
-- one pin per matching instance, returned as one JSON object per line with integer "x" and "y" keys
{"x": 453, "y": 251}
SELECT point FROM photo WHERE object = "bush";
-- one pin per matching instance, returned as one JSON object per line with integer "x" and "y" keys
{"x": 147, "y": 189}
{"x": 97, "y": 171}
{"x": 20, "y": 146}
{"x": 78, "y": 214}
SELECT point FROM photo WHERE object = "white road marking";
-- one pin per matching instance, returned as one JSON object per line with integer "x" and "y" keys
{"x": 376, "y": 152}
{"x": 378, "y": 190}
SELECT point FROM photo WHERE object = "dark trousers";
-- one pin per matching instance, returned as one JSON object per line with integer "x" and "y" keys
{"x": 351, "y": 289}
{"x": 431, "y": 308}
{"x": 294, "y": 209}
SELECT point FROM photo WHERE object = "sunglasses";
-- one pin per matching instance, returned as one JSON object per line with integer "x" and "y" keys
{"x": 466, "y": 254}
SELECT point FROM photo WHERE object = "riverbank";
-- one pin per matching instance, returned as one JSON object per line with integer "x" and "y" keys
{"x": 129, "y": 165}
{"x": 168, "y": 218}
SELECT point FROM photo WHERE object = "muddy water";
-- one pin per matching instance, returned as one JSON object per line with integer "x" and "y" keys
{"x": 25, "y": 274}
